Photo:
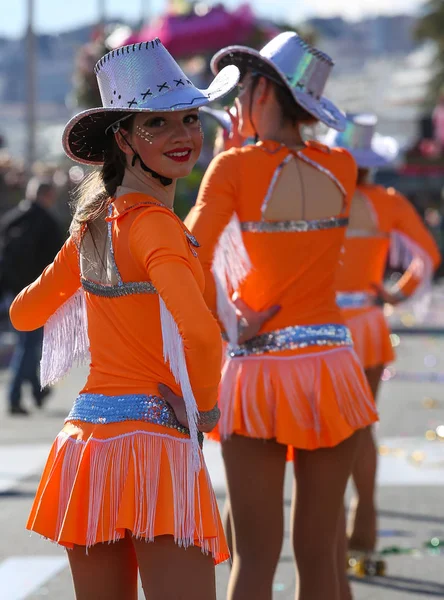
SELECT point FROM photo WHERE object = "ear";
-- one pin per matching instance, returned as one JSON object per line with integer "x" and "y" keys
{"x": 262, "y": 90}
{"x": 122, "y": 143}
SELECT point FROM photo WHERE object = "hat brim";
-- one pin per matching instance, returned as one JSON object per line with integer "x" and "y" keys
{"x": 383, "y": 151}
{"x": 248, "y": 59}
{"x": 220, "y": 116}
{"x": 85, "y": 136}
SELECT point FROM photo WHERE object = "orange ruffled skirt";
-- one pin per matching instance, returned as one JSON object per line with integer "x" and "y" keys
{"x": 308, "y": 400}
{"x": 103, "y": 480}
{"x": 371, "y": 335}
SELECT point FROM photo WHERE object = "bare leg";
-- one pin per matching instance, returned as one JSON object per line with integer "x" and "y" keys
{"x": 362, "y": 526}
{"x": 321, "y": 478}
{"x": 228, "y": 526}
{"x": 107, "y": 572}
{"x": 255, "y": 475}
{"x": 342, "y": 547}
{"x": 169, "y": 572}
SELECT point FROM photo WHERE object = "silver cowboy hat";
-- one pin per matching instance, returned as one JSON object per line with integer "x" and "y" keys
{"x": 141, "y": 77}
{"x": 368, "y": 148}
{"x": 291, "y": 62}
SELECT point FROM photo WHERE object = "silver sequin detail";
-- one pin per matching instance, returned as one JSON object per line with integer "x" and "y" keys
{"x": 355, "y": 299}
{"x": 322, "y": 170}
{"x": 362, "y": 233}
{"x": 209, "y": 417}
{"x": 293, "y": 337}
{"x": 293, "y": 226}
{"x": 274, "y": 179}
{"x": 100, "y": 409}
{"x": 192, "y": 242}
{"x": 116, "y": 291}
{"x": 111, "y": 247}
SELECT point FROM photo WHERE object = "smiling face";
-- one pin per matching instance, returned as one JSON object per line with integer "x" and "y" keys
{"x": 169, "y": 143}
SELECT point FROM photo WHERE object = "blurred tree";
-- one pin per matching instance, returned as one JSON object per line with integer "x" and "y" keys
{"x": 431, "y": 27}
{"x": 86, "y": 90}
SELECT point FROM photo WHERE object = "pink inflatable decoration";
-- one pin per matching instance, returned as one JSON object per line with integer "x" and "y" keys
{"x": 185, "y": 35}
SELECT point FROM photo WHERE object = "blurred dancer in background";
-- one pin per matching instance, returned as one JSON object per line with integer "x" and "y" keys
{"x": 383, "y": 224}
{"x": 30, "y": 237}
{"x": 271, "y": 219}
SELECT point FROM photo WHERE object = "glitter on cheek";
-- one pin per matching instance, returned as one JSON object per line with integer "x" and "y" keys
{"x": 144, "y": 135}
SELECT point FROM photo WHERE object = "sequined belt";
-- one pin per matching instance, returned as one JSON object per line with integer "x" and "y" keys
{"x": 290, "y": 338}
{"x": 355, "y": 299}
{"x": 101, "y": 409}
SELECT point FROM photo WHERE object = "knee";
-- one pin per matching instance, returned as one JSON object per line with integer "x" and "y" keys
{"x": 261, "y": 559}
{"x": 314, "y": 550}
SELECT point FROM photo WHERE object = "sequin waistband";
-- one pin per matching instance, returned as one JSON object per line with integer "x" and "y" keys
{"x": 101, "y": 410}
{"x": 290, "y": 338}
{"x": 293, "y": 226}
{"x": 355, "y": 299}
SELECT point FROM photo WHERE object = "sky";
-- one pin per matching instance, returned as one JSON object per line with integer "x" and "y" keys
{"x": 53, "y": 16}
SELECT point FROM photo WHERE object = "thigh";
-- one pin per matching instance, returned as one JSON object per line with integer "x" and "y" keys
{"x": 255, "y": 477}
{"x": 321, "y": 478}
{"x": 373, "y": 375}
{"x": 106, "y": 572}
{"x": 169, "y": 572}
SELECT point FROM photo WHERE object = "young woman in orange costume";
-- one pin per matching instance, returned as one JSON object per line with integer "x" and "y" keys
{"x": 383, "y": 224}
{"x": 125, "y": 293}
{"x": 272, "y": 219}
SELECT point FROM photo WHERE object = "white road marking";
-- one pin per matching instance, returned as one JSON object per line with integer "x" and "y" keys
{"x": 20, "y": 461}
{"x": 409, "y": 461}
{"x": 20, "y": 576}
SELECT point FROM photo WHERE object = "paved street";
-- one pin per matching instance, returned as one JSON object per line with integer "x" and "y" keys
{"x": 411, "y": 492}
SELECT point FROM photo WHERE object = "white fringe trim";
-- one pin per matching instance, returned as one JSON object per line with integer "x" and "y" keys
{"x": 408, "y": 255}
{"x": 173, "y": 352}
{"x": 231, "y": 264}
{"x": 294, "y": 380}
{"x": 109, "y": 464}
{"x": 65, "y": 340}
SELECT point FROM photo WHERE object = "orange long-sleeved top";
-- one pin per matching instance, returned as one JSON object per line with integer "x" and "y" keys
{"x": 125, "y": 334}
{"x": 364, "y": 258}
{"x": 295, "y": 270}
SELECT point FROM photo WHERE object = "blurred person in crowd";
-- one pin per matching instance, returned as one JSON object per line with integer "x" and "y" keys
{"x": 30, "y": 237}
{"x": 383, "y": 225}
{"x": 125, "y": 295}
{"x": 271, "y": 219}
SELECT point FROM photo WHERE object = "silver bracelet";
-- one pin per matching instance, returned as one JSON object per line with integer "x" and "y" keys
{"x": 209, "y": 417}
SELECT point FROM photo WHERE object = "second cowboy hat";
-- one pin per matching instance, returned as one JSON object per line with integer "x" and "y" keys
{"x": 141, "y": 77}
{"x": 368, "y": 148}
{"x": 294, "y": 64}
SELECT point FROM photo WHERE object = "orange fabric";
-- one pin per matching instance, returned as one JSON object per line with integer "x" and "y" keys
{"x": 125, "y": 334}
{"x": 127, "y": 357}
{"x": 312, "y": 400}
{"x": 364, "y": 259}
{"x": 72, "y": 526}
{"x": 264, "y": 396}
{"x": 295, "y": 271}
{"x": 371, "y": 335}
{"x": 363, "y": 264}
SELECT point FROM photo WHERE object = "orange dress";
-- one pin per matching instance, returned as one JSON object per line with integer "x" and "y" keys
{"x": 129, "y": 294}
{"x": 299, "y": 381}
{"x": 395, "y": 229}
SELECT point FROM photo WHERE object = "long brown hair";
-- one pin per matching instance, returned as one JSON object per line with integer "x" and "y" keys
{"x": 94, "y": 193}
